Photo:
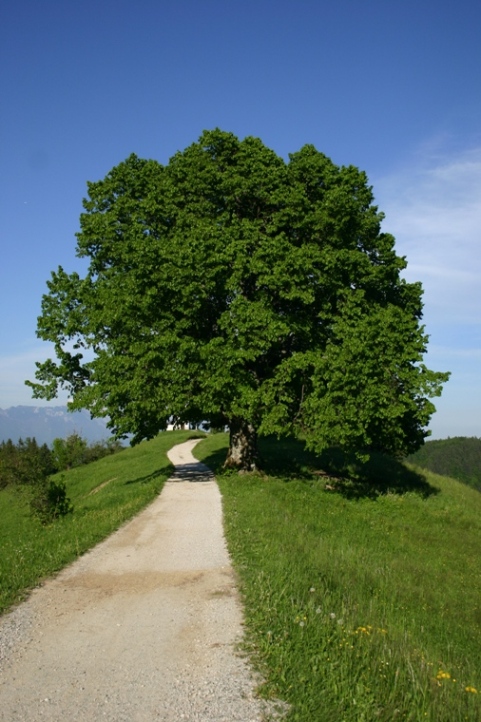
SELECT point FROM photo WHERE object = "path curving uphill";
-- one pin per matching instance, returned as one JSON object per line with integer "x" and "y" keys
{"x": 143, "y": 628}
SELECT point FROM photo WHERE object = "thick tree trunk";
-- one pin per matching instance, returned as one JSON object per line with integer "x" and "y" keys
{"x": 242, "y": 454}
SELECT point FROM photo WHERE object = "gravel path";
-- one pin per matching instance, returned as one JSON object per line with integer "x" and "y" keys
{"x": 143, "y": 628}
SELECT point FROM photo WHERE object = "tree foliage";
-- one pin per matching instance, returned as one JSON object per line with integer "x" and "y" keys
{"x": 25, "y": 462}
{"x": 69, "y": 452}
{"x": 234, "y": 287}
{"x": 75, "y": 451}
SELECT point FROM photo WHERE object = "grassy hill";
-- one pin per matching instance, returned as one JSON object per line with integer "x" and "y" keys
{"x": 458, "y": 457}
{"x": 362, "y": 602}
{"x": 362, "y": 598}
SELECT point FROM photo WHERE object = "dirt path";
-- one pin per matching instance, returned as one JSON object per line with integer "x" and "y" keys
{"x": 143, "y": 627}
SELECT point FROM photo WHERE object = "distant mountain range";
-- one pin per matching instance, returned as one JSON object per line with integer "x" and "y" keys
{"x": 47, "y": 423}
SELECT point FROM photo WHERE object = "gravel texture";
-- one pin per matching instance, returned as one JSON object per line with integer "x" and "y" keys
{"x": 143, "y": 628}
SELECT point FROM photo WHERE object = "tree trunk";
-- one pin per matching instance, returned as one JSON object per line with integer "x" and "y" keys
{"x": 242, "y": 454}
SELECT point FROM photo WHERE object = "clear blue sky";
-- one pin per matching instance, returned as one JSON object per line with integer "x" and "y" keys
{"x": 392, "y": 87}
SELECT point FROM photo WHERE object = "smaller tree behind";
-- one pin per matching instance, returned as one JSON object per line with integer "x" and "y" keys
{"x": 69, "y": 452}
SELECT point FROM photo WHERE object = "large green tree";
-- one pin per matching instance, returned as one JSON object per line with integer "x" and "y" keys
{"x": 235, "y": 287}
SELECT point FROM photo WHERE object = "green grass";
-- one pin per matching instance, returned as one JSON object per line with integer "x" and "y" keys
{"x": 104, "y": 494}
{"x": 362, "y": 603}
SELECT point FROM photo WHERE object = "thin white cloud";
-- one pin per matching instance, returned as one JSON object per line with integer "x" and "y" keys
{"x": 434, "y": 210}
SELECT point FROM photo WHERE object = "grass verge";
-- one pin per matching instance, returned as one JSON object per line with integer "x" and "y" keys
{"x": 361, "y": 603}
{"x": 104, "y": 494}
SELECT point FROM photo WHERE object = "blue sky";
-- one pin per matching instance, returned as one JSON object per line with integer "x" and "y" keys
{"x": 392, "y": 87}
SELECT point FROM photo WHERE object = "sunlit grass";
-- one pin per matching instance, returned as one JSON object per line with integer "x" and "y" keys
{"x": 358, "y": 606}
{"x": 104, "y": 494}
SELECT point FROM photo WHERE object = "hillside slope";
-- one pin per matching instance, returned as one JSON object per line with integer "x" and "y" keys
{"x": 361, "y": 603}
{"x": 458, "y": 457}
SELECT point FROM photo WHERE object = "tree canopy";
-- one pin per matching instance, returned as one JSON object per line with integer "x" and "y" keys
{"x": 235, "y": 287}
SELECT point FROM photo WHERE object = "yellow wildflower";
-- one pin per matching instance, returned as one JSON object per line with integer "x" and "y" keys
{"x": 364, "y": 630}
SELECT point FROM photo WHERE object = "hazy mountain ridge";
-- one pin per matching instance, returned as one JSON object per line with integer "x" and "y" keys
{"x": 47, "y": 423}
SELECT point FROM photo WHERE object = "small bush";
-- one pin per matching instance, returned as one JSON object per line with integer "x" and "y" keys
{"x": 99, "y": 449}
{"x": 50, "y": 501}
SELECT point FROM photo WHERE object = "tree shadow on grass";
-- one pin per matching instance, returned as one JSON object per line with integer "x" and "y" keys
{"x": 379, "y": 476}
{"x": 342, "y": 473}
{"x": 157, "y": 474}
{"x": 215, "y": 461}
{"x": 288, "y": 459}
